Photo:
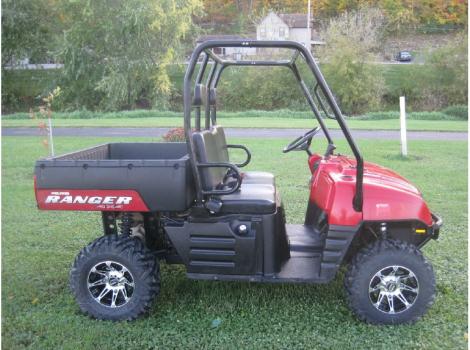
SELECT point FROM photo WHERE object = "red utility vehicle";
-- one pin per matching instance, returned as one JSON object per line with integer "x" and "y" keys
{"x": 187, "y": 203}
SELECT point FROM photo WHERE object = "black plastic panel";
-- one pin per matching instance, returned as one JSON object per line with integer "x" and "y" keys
{"x": 304, "y": 241}
{"x": 215, "y": 247}
{"x": 337, "y": 243}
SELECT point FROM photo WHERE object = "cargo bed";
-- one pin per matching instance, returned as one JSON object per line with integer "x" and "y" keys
{"x": 158, "y": 173}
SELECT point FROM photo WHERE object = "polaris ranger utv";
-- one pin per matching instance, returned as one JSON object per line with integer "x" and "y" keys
{"x": 188, "y": 203}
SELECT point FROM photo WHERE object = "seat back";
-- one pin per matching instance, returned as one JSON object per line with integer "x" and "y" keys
{"x": 221, "y": 143}
{"x": 199, "y": 99}
{"x": 210, "y": 146}
{"x": 212, "y": 105}
{"x": 218, "y": 131}
{"x": 209, "y": 149}
{"x": 200, "y": 95}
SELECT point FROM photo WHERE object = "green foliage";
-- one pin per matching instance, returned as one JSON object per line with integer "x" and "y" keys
{"x": 405, "y": 80}
{"x": 28, "y": 30}
{"x": 239, "y": 90}
{"x": 410, "y": 116}
{"x": 350, "y": 42}
{"x": 21, "y": 89}
{"x": 440, "y": 82}
{"x": 116, "y": 53}
{"x": 448, "y": 72}
{"x": 86, "y": 114}
{"x": 264, "y": 88}
{"x": 457, "y": 111}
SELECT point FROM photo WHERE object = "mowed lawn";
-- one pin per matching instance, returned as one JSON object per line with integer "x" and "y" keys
{"x": 38, "y": 310}
{"x": 259, "y": 122}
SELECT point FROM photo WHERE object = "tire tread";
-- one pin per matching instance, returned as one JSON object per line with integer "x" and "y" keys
{"x": 142, "y": 259}
{"x": 362, "y": 258}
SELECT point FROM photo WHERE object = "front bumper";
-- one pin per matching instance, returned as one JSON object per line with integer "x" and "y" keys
{"x": 436, "y": 226}
{"x": 432, "y": 232}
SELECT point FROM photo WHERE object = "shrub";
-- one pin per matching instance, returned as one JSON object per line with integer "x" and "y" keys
{"x": 175, "y": 135}
{"x": 266, "y": 88}
{"x": 457, "y": 111}
{"x": 21, "y": 88}
{"x": 441, "y": 115}
{"x": 351, "y": 40}
{"x": 448, "y": 73}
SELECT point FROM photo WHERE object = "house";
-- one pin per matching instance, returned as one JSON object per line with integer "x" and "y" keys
{"x": 234, "y": 53}
{"x": 287, "y": 26}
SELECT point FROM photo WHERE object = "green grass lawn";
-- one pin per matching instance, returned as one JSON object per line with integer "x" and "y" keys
{"x": 260, "y": 122}
{"x": 38, "y": 310}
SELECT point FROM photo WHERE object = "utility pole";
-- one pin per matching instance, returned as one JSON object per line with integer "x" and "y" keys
{"x": 309, "y": 31}
{"x": 404, "y": 146}
{"x": 308, "y": 16}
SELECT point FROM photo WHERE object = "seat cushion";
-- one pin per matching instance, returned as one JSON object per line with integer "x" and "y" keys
{"x": 250, "y": 199}
{"x": 258, "y": 177}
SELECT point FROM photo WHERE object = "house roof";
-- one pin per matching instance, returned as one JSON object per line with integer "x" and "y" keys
{"x": 204, "y": 38}
{"x": 294, "y": 20}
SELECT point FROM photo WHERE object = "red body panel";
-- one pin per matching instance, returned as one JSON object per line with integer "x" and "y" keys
{"x": 90, "y": 200}
{"x": 387, "y": 195}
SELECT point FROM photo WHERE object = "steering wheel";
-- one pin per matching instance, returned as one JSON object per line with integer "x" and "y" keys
{"x": 304, "y": 141}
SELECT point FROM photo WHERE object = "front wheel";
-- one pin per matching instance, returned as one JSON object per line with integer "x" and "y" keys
{"x": 115, "y": 278}
{"x": 390, "y": 282}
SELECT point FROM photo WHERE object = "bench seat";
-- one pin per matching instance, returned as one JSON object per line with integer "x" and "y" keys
{"x": 257, "y": 193}
{"x": 250, "y": 199}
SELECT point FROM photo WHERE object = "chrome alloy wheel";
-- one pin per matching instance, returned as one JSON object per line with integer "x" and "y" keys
{"x": 393, "y": 289}
{"x": 110, "y": 283}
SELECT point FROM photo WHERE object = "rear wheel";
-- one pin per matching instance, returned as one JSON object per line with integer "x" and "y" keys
{"x": 115, "y": 278}
{"x": 390, "y": 282}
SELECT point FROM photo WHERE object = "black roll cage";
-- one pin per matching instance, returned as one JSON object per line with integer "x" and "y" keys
{"x": 218, "y": 66}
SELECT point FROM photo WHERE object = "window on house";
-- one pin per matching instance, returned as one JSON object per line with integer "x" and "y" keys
{"x": 282, "y": 32}
{"x": 262, "y": 32}
{"x": 219, "y": 50}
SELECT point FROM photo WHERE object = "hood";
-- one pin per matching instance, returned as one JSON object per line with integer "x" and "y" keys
{"x": 375, "y": 175}
{"x": 379, "y": 176}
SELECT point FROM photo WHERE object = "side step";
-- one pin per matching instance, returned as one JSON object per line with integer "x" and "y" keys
{"x": 304, "y": 241}
{"x": 295, "y": 270}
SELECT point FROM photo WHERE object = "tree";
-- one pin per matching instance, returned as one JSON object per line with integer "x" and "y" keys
{"x": 402, "y": 12}
{"x": 28, "y": 30}
{"x": 243, "y": 14}
{"x": 447, "y": 74}
{"x": 116, "y": 52}
{"x": 347, "y": 59}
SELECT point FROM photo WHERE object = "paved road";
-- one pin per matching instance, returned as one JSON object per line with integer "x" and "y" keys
{"x": 237, "y": 132}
